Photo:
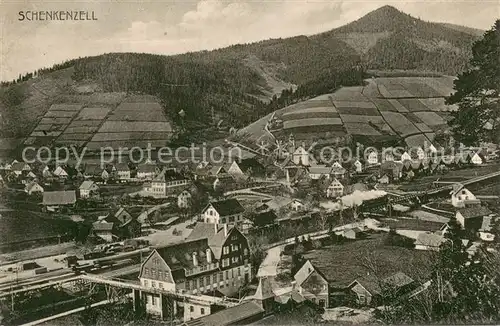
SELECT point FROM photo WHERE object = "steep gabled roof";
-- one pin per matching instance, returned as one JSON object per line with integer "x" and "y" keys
{"x": 87, "y": 185}
{"x": 214, "y": 233}
{"x": 227, "y": 207}
{"x": 180, "y": 256}
{"x": 146, "y": 168}
{"x": 122, "y": 167}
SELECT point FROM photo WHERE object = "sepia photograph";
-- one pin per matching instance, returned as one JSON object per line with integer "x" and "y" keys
{"x": 249, "y": 162}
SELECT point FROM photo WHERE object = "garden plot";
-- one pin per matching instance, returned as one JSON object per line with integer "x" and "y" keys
{"x": 311, "y": 122}
{"x": 413, "y": 118}
{"x": 318, "y": 129}
{"x": 430, "y": 118}
{"x": 315, "y": 104}
{"x": 299, "y": 115}
{"x": 60, "y": 114}
{"x": 77, "y": 143}
{"x": 400, "y": 123}
{"x": 361, "y": 129}
{"x": 413, "y": 104}
{"x": 93, "y": 114}
{"x": 111, "y": 99}
{"x": 430, "y": 136}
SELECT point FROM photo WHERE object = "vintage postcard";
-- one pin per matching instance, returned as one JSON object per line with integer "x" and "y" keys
{"x": 236, "y": 162}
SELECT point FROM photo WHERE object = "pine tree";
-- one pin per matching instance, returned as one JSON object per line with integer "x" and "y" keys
{"x": 477, "y": 93}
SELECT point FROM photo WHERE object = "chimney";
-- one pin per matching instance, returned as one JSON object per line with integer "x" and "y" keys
{"x": 209, "y": 255}
{"x": 195, "y": 258}
{"x": 225, "y": 230}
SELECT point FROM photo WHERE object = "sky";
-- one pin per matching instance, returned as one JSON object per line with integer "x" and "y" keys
{"x": 178, "y": 26}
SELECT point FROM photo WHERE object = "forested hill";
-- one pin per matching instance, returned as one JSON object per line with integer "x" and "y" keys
{"x": 389, "y": 39}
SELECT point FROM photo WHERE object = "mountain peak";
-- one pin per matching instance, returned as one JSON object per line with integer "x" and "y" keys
{"x": 383, "y": 19}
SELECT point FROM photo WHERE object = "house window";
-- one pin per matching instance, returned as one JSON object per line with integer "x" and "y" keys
{"x": 188, "y": 285}
{"x": 153, "y": 300}
{"x": 160, "y": 274}
{"x": 153, "y": 284}
{"x": 227, "y": 275}
{"x": 221, "y": 277}
{"x": 245, "y": 251}
{"x": 231, "y": 219}
{"x": 191, "y": 308}
{"x": 160, "y": 285}
{"x": 234, "y": 237}
{"x": 145, "y": 283}
{"x": 153, "y": 273}
{"x": 239, "y": 271}
{"x": 234, "y": 247}
{"x": 146, "y": 271}
{"x": 202, "y": 311}
{"x": 226, "y": 250}
{"x": 202, "y": 282}
{"x": 223, "y": 220}
{"x": 207, "y": 280}
{"x": 234, "y": 260}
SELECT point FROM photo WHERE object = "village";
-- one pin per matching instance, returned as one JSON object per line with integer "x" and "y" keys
{"x": 272, "y": 233}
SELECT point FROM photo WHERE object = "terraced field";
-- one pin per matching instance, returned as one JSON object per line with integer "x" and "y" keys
{"x": 411, "y": 108}
{"x": 103, "y": 119}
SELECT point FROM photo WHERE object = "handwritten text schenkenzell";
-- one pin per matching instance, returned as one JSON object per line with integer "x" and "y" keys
{"x": 56, "y": 15}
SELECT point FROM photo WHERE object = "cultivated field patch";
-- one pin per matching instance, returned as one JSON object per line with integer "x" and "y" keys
{"x": 299, "y": 115}
{"x": 437, "y": 104}
{"x": 413, "y": 104}
{"x": 355, "y": 104}
{"x": 350, "y": 118}
{"x": 400, "y": 123}
{"x": 129, "y": 136}
{"x": 76, "y": 136}
{"x": 421, "y": 90}
{"x": 129, "y": 126}
{"x": 359, "y": 111}
{"x": 398, "y": 106}
{"x": 430, "y": 118}
{"x": 361, "y": 129}
{"x": 60, "y": 114}
{"x": 65, "y": 107}
{"x": 384, "y": 105}
{"x": 311, "y": 122}
{"x": 401, "y": 93}
{"x": 423, "y": 127}
{"x": 93, "y": 113}
{"x": 81, "y": 130}
{"x": 45, "y": 133}
{"x": 143, "y": 98}
{"x": 417, "y": 140}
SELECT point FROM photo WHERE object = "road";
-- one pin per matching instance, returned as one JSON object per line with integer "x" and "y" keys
{"x": 269, "y": 266}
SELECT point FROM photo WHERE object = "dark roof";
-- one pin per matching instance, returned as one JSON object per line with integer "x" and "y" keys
{"x": 227, "y": 207}
{"x": 229, "y": 316}
{"x": 59, "y": 197}
{"x": 265, "y": 218}
{"x": 252, "y": 163}
{"x": 169, "y": 175}
{"x": 180, "y": 256}
{"x": 474, "y": 212}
